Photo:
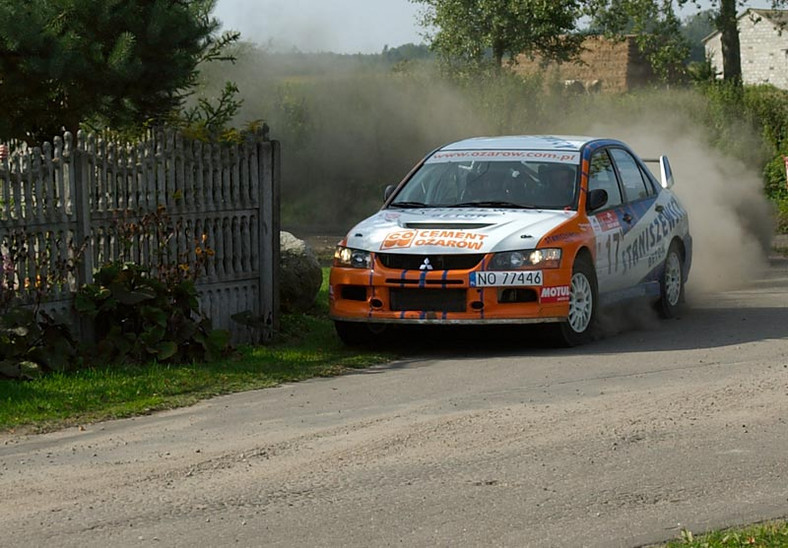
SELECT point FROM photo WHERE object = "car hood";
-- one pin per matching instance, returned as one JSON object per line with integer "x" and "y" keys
{"x": 452, "y": 230}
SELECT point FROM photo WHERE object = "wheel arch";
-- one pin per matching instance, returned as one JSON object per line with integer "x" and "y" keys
{"x": 682, "y": 252}
{"x": 583, "y": 253}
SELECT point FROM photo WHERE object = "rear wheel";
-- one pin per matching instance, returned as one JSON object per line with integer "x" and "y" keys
{"x": 581, "y": 322}
{"x": 671, "y": 284}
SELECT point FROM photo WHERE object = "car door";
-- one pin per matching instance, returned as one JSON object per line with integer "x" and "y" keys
{"x": 606, "y": 221}
{"x": 639, "y": 250}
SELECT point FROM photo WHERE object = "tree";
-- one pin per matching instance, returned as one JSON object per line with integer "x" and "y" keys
{"x": 726, "y": 23}
{"x": 694, "y": 29}
{"x": 113, "y": 62}
{"x": 656, "y": 27}
{"x": 470, "y": 30}
{"x": 724, "y": 16}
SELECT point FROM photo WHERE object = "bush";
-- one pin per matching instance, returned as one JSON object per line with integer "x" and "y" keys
{"x": 138, "y": 317}
{"x": 135, "y": 312}
{"x": 782, "y": 215}
{"x": 768, "y": 107}
{"x": 774, "y": 174}
{"x": 763, "y": 108}
{"x": 150, "y": 311}
{"x": 33, "y": 341}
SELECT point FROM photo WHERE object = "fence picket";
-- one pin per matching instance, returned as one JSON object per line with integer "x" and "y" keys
{"x": 84, "y": 189}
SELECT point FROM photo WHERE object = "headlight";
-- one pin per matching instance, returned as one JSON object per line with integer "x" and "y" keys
{"x": 345, "y": 256}
{"x": 529, "y": 258}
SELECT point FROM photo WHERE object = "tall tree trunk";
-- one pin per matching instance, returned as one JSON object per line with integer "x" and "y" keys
{"x": 731, "y": 54}
{"x": 498, "y": 54}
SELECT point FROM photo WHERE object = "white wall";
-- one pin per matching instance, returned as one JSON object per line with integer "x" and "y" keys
{"x": 764, "y": 52}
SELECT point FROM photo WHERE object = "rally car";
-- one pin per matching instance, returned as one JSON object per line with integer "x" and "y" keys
{"x": 520, "y": 229}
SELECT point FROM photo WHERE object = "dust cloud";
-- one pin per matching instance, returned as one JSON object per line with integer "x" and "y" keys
{"x": 731, "y": 221}
{"x": 349, "y": 128}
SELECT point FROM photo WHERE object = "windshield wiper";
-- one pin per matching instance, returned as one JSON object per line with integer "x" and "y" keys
{"x": 492, "y": 203}
{"x": 408, "y": 205}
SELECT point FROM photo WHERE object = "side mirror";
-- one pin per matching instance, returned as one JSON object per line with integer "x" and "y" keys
{"x": 388, "y": 192}
{"x": 596, "y": 199}
{"x": 665, "y": 172}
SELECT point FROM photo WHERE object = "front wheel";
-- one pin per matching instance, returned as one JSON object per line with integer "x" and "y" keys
{"x": 671, "y": 284}
{"x": 581, "y": 322}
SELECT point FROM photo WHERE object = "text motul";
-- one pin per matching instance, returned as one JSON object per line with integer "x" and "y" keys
{"x": 555, "y": 292}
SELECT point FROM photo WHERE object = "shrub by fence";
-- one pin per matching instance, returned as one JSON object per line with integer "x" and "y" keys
{"x": 93, "y": 192}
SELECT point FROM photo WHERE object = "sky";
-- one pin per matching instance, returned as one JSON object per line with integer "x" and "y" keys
{"x": 339, "y": 26}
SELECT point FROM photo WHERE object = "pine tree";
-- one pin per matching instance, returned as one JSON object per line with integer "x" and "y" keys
{"x": 118, "y": 63}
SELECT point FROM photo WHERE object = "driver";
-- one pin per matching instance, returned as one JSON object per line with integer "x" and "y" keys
{"x": 494, "y": 183}
{"x": 561, "y": 184}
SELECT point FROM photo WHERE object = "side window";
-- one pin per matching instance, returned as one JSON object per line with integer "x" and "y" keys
{"x": 603, "y": 176}
{"x": 651, "y": 182}
{"x": 635, "y": 187}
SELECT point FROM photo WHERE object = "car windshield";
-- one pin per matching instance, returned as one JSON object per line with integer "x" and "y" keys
{"x": 493, "y": 183}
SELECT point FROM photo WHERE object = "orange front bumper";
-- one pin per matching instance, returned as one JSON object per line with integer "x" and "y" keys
{"x": 383, "y": 295}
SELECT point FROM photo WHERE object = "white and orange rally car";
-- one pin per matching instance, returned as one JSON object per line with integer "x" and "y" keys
{"x": 522, "y": 229}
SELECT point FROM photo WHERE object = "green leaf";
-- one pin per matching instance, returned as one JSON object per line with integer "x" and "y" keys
{"x": 120, "y": 344}
{"x": 217, "y": 342}
{"x": 185, "y": 330}
{"x": 85, "y": 304}
{"x": 166, "y": 349}
{"x": 57, "y": 356}
{"x": 133, "y": 297}
{"x": 153, "y": 335}
{"x": 154, "y": 315}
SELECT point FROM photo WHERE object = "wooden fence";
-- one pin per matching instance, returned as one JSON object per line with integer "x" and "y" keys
{"x": 86, "y": 191}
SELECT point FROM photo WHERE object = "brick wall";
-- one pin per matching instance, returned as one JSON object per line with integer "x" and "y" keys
{"x": 611, "y": 66}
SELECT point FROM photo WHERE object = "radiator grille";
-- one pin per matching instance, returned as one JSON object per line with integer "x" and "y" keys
{"x": 428, "y": 300}
{"x": 437, "y": 262}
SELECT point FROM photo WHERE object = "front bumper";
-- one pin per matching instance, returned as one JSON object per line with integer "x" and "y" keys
{"x": 385, "y": 295}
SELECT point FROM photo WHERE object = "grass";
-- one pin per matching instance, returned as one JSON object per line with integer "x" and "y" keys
{"x": 306, "y": 347}
{"x": 764, "y": 535}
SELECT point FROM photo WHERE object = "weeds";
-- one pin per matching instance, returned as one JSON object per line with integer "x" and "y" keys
{"x": 764, "y": 535}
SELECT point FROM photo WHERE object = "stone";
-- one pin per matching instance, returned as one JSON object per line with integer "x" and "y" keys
{"x": 300, "y": 274}
{"x": 24, "y": 370}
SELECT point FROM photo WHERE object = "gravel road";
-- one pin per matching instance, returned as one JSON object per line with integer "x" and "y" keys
{"x": 470, "y": 441}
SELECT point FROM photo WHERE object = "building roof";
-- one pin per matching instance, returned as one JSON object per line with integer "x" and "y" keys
{"x": 779, "y": 18}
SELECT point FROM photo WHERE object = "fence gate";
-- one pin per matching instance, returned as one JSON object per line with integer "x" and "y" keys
{"x": 220, "y": 199}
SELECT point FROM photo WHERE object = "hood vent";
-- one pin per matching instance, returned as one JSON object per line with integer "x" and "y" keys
{"x": 447, "y": 226}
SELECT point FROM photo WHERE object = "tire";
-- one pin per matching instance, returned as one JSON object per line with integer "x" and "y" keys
{"x": 580, "y": 326}
{"x": 671, "y": 284}
{"x": 357, "y": 333}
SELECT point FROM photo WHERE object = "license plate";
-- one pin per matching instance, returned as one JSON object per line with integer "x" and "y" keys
{"x": 506, "y": 279}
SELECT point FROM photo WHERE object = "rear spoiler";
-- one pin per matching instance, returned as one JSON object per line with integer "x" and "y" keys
{"x": 665, "y": 172}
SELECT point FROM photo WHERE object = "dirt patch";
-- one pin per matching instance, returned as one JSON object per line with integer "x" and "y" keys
{"x": 323, "y": 246}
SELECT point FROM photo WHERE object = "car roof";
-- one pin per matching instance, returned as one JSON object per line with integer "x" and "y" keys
{"x": 522, "y": 142}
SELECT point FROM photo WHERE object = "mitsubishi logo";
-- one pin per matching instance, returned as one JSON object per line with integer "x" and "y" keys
{"x": 426, "y": 265}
